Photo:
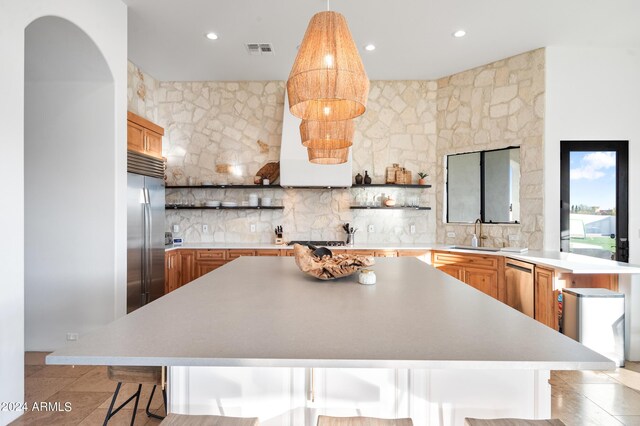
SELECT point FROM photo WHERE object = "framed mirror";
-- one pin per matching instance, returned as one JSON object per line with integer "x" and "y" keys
{"x": 485, "y": 185}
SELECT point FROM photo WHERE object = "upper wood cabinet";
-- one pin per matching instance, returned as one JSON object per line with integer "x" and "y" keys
{"x": 143, "y": 136}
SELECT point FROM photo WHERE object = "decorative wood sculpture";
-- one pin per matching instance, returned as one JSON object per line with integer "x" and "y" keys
{"x": 270, "y": 171}
{"x": 328, "y": 268}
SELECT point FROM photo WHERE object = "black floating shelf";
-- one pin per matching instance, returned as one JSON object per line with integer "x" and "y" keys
{"x": 393, "y": 185}
{"x": 388, "y": 208}
{"x": 169, "y": 207}
{"x": 223, "y": 186}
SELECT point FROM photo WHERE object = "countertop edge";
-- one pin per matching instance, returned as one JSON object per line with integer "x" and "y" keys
{"x": 331, "y": 363}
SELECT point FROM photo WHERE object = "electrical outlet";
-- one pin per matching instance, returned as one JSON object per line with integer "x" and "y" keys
{"x": 412, "y": 229}
{"x": 451, "y": 234}
{"x": 514, "y": 237}
{"x": 176, "y": 228}
{"x": 253, "y": 227}
{"x": 72, "y": 337}
{"x": 371, "y": 229}
{"x": 205, "y": 229}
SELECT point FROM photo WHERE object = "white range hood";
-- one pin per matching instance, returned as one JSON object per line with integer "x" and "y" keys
{"x": 295, "y": 168}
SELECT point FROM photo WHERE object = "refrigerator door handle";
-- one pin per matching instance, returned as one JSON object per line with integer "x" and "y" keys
{"x": 147, "y": 242}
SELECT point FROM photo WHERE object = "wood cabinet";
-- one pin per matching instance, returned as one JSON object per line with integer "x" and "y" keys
{"x": 483, "y": 279}
{"x": 482, "y": 272}
{"x": 235, "y": 253}
{"x": 143, "y": 136}
{"x": 545, "y": 297}
{"x": 269, "y": 252}
{"x": 187, "y": 266}
{"x": 171, "y": 271}
{"x": 207, "y": 260}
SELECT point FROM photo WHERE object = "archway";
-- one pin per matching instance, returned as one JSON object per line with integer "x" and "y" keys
{"x": 69, "y": 184}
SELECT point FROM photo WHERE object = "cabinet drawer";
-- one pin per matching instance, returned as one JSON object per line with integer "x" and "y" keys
{"x": 385, "y": 253}
{"x": 286, "y": 252}
{"x": 359, "y": 252}
{"x": 234, "y": 254}
{"x": 447, "y": 258}
{"x": 412, "y": 253}
{"x": 269, "y": 252}
{"x": 211, "y": 254}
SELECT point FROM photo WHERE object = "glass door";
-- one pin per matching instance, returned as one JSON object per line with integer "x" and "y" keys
{"x": 594, "y": 197}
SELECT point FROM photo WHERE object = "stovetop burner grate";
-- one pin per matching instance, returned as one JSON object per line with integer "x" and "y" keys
{"x": 318, "y": 243}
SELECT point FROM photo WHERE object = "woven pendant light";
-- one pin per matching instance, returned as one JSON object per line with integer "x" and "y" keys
{"x": 328, "y": 81}
{"x": 328, "y": 156}
{"x": 327, "y": 134}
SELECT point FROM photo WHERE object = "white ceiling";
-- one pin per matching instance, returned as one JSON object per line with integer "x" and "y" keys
{"x": 413, "y": 37}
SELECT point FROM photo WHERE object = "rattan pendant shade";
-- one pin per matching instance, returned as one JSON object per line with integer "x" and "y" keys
{"x": 328, "y": 80}
{"x": 328, "y": 156}
{"x": 327, "y": 134}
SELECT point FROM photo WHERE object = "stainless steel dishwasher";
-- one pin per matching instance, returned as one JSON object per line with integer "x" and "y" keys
{"x": 519, "y": 285}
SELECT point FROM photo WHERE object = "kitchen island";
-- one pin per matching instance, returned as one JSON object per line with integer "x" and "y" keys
{"x": 258, "y": 337}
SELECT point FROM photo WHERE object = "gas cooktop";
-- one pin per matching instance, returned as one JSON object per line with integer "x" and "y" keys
{"x": 318, "y": 243}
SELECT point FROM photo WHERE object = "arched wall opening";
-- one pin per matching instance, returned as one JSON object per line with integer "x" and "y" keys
{"x": 69, "y": 192}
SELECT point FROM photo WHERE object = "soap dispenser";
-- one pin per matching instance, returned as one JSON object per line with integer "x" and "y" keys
{"x": 474, "y": 241}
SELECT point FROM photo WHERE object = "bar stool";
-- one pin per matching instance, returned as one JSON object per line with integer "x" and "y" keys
{"x": 140, "y": 376}
{"x": 512, "y": 422}
{"x": 362, "y": 421}
{"x": 189, "y": 420}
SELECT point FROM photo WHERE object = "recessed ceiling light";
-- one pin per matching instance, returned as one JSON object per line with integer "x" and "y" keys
{"x": 212, "y": 36}
{"x": 370, "y": 47}
{"x": 459, "y": 33}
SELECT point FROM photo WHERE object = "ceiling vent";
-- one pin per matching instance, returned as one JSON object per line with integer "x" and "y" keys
{"x": 257, "y": 49}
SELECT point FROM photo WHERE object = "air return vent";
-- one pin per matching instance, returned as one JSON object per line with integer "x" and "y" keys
{"x": 257, "y": 49}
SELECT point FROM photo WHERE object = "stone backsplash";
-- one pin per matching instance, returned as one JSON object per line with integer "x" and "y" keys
{"x": 490, "y": 107}
{"x": 225, "y": 131}
{"x": 141, "y": 93}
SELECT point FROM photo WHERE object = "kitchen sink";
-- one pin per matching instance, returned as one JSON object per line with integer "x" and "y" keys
{"x": 475, "y": 248}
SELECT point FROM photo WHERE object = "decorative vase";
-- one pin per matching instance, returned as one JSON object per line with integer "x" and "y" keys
{"x": 358, "y": 179}
{"x": 367, "y": 178}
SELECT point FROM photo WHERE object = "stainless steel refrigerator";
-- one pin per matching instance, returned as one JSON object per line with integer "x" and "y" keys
{"x": 145, "y": 230}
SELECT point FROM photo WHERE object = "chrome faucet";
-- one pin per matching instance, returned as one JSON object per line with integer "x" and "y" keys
{"x": 475, "y": 231}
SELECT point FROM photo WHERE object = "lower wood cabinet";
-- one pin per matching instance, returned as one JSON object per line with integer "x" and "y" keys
{"x": 482, "y": 272}
{"x": 483, "y": 279}
{"x": 171, "y": 271}
{"x": 187, "y": 266}
{"x": 545, "y": 297}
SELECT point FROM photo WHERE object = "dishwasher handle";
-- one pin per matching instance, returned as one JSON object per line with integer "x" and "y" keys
{"x": 519, "y": 268}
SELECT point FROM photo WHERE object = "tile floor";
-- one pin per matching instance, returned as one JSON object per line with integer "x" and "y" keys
{"x": 87, "y": 389}
{"x": 578, "y": 398}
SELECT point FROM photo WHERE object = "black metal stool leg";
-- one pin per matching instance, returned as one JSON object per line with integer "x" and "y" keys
{"x": 149, "y": 413}
{"x": 111, "y": 412}
{"x": 135, "y": 405}
{"x": 113, "y": 401}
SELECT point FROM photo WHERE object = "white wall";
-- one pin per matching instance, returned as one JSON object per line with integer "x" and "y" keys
{"x": 105, "y": 21}
{"x": 593, "y": 94}
{"x": 69, "y": 244}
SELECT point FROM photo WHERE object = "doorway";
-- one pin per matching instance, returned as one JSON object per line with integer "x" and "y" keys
{"x": 594, "y": 188}
{"x": 69, "y": 191}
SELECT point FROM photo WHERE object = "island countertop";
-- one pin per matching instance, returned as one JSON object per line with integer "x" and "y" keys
{"x": 265, "y": 312}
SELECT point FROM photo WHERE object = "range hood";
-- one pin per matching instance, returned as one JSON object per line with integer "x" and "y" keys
{"x": 295, "y": 168}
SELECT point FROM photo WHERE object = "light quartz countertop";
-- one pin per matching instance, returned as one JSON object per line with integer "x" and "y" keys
{"x": 560, "y": 261}
{"x": 267, "y": 246}
{"x": 263, "y": 311}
